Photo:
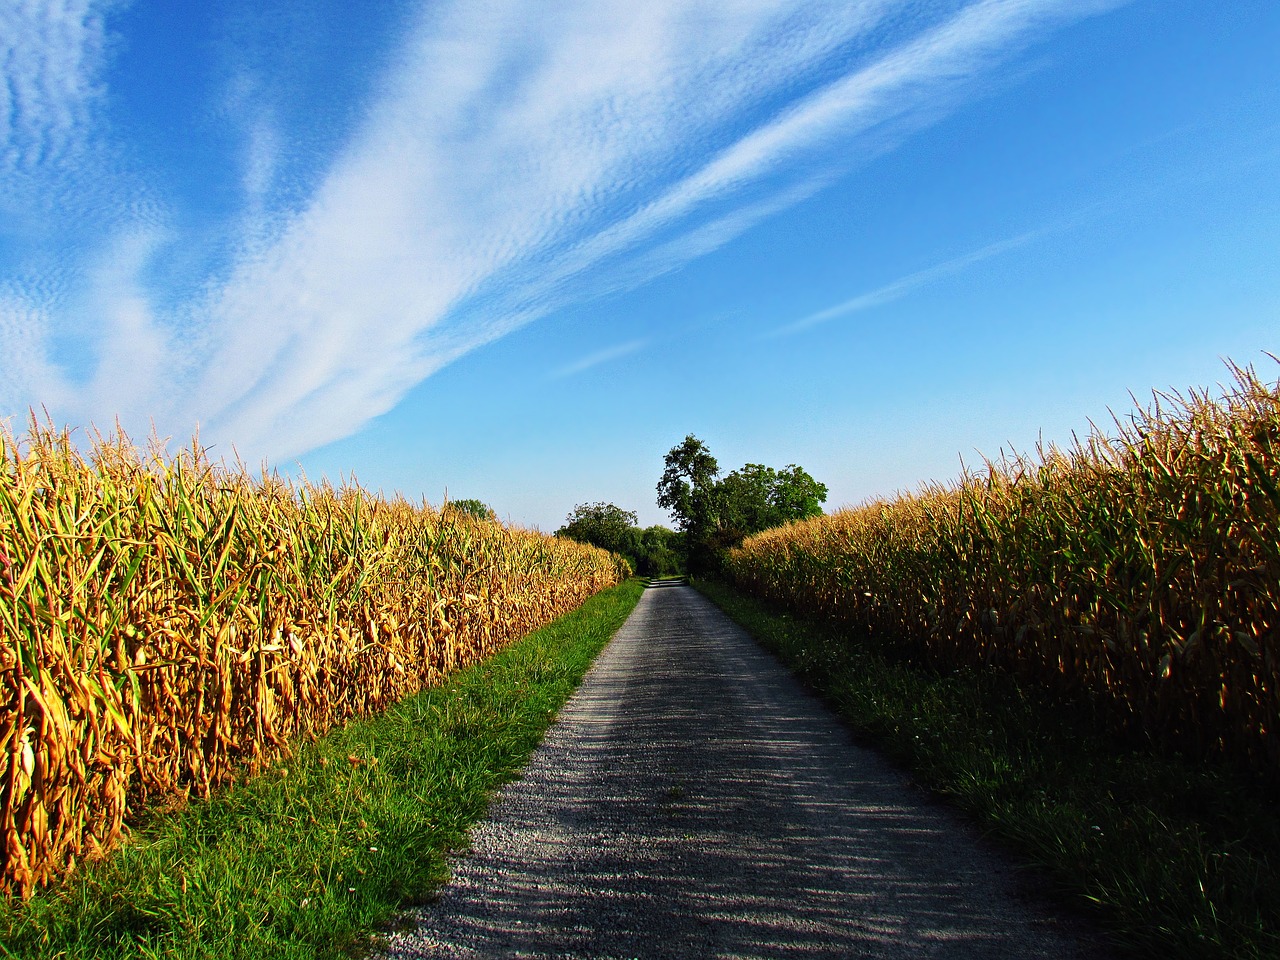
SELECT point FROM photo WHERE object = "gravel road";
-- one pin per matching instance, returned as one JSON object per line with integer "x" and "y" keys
{"x": 692, "y": 800}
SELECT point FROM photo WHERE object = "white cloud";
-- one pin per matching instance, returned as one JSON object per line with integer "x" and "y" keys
{"x": 518, "y": 157}
{"x": 54, "y": 177}
{"x": 132, "y": 360}
{"x": 28, "y": 374}
{"x": 52, "y": 53}
{"x": 608, "y": 355}
{"x": 496, "y": 148}
{"x": 897, "y": 289}
{"x": 135, "y": 359}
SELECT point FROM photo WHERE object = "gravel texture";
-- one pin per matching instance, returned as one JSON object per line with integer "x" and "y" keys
{"x": 692, "y": 800}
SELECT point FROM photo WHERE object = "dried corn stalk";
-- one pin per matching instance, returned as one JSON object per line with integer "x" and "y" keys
{"x": 1142, "y": 571}
{"x": 165, "y": 622}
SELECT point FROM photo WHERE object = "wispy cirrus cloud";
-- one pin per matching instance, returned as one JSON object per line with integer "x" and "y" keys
{"x": 917, "y": 279}
{"x": 901, "y": 287}
{"x": 516, "y": 158}
{"x": 52, "y": 55}
{"x": 607, "y": 355}
{"x": 51, "y": 59}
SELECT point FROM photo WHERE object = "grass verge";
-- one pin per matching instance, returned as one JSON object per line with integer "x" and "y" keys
{"x": 1176, "y": 859}
{"x": 308, "y": 859}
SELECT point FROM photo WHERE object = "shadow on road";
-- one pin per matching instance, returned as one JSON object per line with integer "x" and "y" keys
{"x": 693, "y": 801}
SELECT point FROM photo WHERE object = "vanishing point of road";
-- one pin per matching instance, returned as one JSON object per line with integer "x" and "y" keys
{"x": 692, "y": 800}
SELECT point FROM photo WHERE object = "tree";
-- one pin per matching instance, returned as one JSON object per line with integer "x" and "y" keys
{"x": 756, "y": 497}
{"x": 687, "y": 487}
{"x": 603, "y": 525}
{"x": 652, "y": 551}
{"x": 747, "y": 499}
{"x": 660, "y": 551}
{"x": 796, "y": 495}
{"x": 476, "y": 508}
{"x": 716, "y": 513}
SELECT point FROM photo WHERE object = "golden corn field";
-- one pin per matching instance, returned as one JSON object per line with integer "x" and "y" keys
{"x": 166, "y": 622}
{"x": 1140, "y": 571}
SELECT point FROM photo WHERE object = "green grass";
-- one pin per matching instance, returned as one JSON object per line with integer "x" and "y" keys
{"x": 1175, "y": 859}
{"x": 309, "y": 858}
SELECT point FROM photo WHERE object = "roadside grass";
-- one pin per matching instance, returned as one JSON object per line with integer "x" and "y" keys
{"x": 310, "y": 858}
{"x": 1175, "y": 859}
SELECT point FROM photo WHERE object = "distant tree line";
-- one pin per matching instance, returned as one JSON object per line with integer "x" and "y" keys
{"x": 652, "y": 551}
{"x": 714, "y": 513}
{"x": 476, "y": 508}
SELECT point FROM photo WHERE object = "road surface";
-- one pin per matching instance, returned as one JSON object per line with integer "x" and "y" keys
{"x": 692, "y": 800}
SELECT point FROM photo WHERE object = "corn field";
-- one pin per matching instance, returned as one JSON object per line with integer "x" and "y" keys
{"x": 167, "y": 623}
{"x": 1140, "y": 571}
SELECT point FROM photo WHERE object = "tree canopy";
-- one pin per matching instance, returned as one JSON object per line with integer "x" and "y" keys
{"x": 756, "y": 497}
{"x": 602, "y": 524}
{"x": 652, "y": 551}
{"x": 687, "y": 484}
{"x": 716, "y": 513}
{"x": 476, "y": 508}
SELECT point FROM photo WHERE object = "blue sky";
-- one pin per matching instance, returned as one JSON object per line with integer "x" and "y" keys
{"x": 516, "y": 251}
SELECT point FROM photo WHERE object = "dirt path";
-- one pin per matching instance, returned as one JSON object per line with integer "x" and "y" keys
{"x": 693, "y": 801}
